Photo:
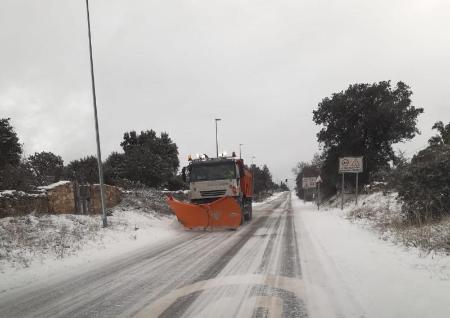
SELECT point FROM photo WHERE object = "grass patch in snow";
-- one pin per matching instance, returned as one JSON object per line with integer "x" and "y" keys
{"x": 383, "y": 213}
{"x": 35, "y": 239}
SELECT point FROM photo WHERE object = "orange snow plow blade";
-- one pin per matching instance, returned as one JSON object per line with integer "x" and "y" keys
{"x": 223, "y": 213}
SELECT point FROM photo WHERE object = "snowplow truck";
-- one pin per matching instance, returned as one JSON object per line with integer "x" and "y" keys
{"x": 220, "y": 194}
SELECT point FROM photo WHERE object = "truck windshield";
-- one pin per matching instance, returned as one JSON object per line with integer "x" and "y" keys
{"x": 209, "y": 171}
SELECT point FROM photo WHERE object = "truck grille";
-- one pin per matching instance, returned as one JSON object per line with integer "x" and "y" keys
{"x": 212, "y": 193}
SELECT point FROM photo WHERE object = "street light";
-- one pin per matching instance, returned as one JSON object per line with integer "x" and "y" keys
{"x": 217, "y": 143}
{"x": 97, "y": 135}
{"x": 240, "y": 151}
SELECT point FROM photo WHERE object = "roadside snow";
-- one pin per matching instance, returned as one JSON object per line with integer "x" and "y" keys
{"x": 16, "y": 193}
{"x": 8, "y": 192}
{"x": 349, "y": 272}
{"x": 67, "y": 243}
{"x": 382, "y": 213}
{"x": 274, "y": 196}
{"x": 54, "y": 185}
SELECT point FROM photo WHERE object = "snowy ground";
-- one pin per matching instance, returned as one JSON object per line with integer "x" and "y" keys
{"x": 382, "y": 213}
{"x": 34, "y": 248}
{"x": 45, "y": 246}
{"x": 269, "y": 199}
{"x": 350, "y": 272}
{"x": 290, "y": 261}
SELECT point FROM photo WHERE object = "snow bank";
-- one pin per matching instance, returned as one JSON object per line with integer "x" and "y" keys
{"x": 54, "y": 185}
{"x": 15, "y": 194}
{"x": 33, "y": 247}
{"x": 382, "y": 213}
{"x": 68, "y": 242}
{"x": 350, "y": 272}
{"x": 274, "y": 196}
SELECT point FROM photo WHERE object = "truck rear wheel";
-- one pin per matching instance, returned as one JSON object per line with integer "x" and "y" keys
{"x": 247, "y": 208}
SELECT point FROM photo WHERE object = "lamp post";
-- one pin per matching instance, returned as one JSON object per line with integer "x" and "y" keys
{"x": 97, "y": 135}
{"x": 217, "y": 143}
{"x": 240, "y": 151}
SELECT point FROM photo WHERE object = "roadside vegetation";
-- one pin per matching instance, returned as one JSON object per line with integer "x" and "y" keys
{"x": 29, "y": 239}
{"x": 146, "y": 170}
{"x": 367, "y": 120}
{"x": 148, "y": 160}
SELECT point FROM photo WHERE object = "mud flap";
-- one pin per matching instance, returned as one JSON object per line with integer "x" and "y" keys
{"x": 224, "y": 213}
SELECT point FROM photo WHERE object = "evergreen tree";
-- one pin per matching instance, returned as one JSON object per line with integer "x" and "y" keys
{"x": 284, "y": 187}
{"x": 150, "y": 159}
{"x": 443, "y": 136}
{"x": 10, "y": 148}
{"x": 263, "y": 182}
{"x": 114, "y": 168}
{"x": 365, "y": 120}
{"x": 83, "y": 170}
{"x": 47, "y": 167}
{"x": 14, "y": 174}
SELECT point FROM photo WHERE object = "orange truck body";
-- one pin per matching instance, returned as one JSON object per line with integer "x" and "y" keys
{"x": 221, "y": 202}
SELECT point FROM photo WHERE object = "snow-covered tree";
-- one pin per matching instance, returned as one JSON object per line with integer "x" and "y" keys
{"x": 10, "y": 148}
{"x": 47, "y": 167}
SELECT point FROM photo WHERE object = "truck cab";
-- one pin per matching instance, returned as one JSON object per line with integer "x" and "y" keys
{"x": 211, "y": 179}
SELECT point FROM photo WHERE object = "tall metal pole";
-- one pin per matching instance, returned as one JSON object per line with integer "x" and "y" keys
{"x": 217, "y": 143}
{"x": 356, "y": 203}
{"x": 318, "y": 195}
{"x": 99, "y": 154}
{"x": 240, "y": 151}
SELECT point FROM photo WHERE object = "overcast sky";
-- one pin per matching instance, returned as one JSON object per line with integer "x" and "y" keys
{"x": 261, "y": 66}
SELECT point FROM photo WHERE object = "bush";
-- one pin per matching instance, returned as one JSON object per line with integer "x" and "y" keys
{"x": 84, "y": 170}
{"x": 424, "y": 184}
{"x": 176, "y": 183}
{"x": 18, "y": 177}
{"x": 47, "y": 167}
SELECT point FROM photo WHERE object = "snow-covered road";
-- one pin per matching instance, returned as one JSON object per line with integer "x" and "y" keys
{"x": 350, "y": 272}
{"x": 290, "y": 261}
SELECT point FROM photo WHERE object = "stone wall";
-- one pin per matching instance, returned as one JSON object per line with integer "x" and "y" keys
{"x": 113, "y": 196}
{"x": 58, "y": 198}
{"x": 61, "y": 198}
{"x": 17, "y": 203}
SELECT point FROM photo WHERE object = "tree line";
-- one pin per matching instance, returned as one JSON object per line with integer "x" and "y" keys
{"x": 367, "y": 120}
{"x": 148, "y": 159}
{"x": 263, "y": 182}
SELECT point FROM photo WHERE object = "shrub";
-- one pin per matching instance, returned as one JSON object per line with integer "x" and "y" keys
{"x": 424, "y": 184}
{"x": 18, "y": 177}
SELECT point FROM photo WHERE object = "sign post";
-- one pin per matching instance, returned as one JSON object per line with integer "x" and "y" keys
{"x": 318, "y": 182}
{"x": 350, "y": 165}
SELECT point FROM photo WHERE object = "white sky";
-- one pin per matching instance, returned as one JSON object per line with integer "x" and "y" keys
{"x": 262, "y": 66}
